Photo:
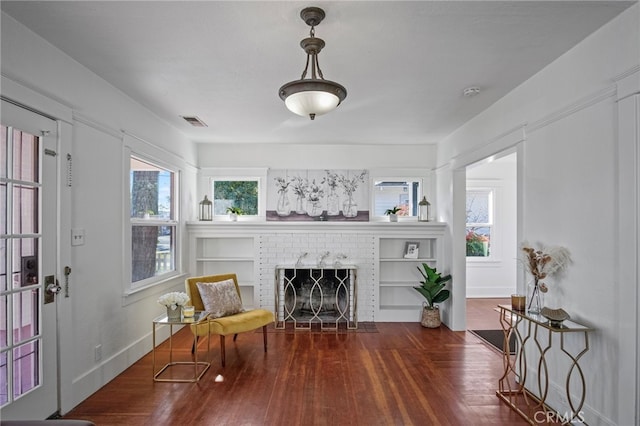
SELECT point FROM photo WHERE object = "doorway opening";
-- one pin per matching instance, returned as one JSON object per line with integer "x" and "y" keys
{"x": 491, "y": 238}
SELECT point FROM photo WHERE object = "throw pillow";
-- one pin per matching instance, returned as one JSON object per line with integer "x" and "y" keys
{"x": 220, "y": 299}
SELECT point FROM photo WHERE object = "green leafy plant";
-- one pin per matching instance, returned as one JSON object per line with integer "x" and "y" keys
{"x": 235, "y": 210}
{"x": 432, "y": 287}
{"x": 394, "y": 210}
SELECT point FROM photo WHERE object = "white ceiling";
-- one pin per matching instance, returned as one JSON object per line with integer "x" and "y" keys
{"x": 404, "y": 63}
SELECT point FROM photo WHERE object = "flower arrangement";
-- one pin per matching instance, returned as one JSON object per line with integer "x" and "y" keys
{"x": 315, "y": 191}
{"x": 542, "y": 263}
{"x": 174, "y": 299}
{"x": 332, "y": 180}
{"x": 282, "y": 184}
{"x": 350, "y": 185}
{"x": 299, "y": 186}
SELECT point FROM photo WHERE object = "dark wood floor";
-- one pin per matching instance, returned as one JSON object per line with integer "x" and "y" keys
{"x": 384, "y": 374}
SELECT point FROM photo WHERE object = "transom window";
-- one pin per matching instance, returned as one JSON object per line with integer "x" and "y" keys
{"x": 153, "y": 221}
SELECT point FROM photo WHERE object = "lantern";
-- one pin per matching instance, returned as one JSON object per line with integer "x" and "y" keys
{"x": 206, "y": 209}
{"x": 424, "y": 210}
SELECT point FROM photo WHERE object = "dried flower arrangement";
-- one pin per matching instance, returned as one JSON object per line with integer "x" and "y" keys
{"x": 542, "y": 263}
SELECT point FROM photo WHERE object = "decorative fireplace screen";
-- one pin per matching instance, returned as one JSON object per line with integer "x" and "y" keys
{"x": 323, "y": 296}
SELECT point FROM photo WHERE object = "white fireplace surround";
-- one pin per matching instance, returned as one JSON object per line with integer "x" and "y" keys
{"x": 253, "y": 250}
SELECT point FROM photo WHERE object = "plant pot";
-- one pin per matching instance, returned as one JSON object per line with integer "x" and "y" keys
{"x": 393, "y": 217}
{"x": 430, "y": 317}
{"x": 233, "y": 217}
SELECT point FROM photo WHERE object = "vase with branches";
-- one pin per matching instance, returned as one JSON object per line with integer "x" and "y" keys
{"x": 542, "y": 263}
{"x": 349, "y": 186}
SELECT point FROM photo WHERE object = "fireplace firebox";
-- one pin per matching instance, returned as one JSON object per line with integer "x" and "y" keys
{"x": 320, "y": 297}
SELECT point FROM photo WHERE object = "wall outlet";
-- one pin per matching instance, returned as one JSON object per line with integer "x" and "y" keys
{"x": 97, "y": 354}
{"x": 77, "y": 237}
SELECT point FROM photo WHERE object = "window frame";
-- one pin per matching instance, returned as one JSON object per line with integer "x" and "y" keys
{"x": 173, "y": 222}
{"x": 384, "y": 178}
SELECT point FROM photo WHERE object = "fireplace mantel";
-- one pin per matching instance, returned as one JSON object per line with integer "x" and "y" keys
{"x": 255, "y": 226}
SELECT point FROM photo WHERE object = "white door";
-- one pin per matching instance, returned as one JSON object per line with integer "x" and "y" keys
{"x": 28, "y": 252}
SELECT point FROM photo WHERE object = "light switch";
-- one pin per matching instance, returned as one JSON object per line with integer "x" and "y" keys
{"x": 77, "y": 237}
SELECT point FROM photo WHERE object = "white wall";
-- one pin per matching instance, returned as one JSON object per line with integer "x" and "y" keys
{"x": 565, "y": 122}
{"x": 100, "y": 126}
{"x": 395, "y": 155}
{"x": 496, "y": 276}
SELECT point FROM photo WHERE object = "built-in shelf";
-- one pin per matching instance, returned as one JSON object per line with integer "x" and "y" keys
{"x": 397, "y": 275}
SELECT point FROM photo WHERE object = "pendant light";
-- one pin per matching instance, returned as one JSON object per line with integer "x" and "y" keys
{"x": 315, "y": 95}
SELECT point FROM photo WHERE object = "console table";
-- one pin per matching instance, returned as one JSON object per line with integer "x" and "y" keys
{"x": 530, "y": 331}
{"x": 197, "y": 318}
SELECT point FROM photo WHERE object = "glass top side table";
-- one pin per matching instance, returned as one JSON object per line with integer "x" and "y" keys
{"x": 198, "y": 318}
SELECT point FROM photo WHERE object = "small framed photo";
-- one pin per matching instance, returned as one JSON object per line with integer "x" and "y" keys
{"x": 411, "y": 249}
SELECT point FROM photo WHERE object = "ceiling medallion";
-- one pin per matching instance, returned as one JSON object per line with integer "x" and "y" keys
{"x": 315, "y": 95}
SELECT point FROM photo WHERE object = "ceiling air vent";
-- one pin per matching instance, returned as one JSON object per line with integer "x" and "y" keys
{"x": 194, "y": 121}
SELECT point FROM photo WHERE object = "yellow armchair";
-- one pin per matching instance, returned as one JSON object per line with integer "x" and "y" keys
{"x": 232, "y": 324}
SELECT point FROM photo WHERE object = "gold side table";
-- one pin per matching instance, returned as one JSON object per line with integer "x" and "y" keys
{"x": 529, "y": 327}
{"x": 203, "y": 366}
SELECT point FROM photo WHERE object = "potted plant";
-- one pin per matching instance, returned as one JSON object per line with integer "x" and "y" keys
{"x": 392, "y": 213}
{"x": 234, "y": 212}
{"x": 432, "y": 288}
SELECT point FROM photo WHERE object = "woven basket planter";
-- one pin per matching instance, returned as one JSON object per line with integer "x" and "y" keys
{"x": 430, "y": 317}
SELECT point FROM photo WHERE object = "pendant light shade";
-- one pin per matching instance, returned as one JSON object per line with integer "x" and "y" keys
{"x": 315, "y": 95}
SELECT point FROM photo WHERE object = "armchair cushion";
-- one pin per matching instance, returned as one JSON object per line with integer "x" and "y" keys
{"x": 220, "y": 299}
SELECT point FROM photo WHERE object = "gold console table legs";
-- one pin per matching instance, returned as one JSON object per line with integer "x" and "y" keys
{"x": 534, "y": 333}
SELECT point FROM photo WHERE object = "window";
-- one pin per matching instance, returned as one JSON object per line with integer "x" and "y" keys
{"x": 479, "y": 222}
{"x": 404, "y": 194}
{"x": 153, "y": 221}
{"x": 241, "y": 193}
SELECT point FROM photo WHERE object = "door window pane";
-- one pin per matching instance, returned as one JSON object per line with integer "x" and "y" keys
{"x": 25, "y": 315}
{"x": 25, "y": 209}
{"x": 25, "y": 368}
{"x": 4, "y": 379}
{"x": 25, "y": 156}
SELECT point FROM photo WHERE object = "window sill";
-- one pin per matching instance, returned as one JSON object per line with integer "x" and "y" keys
{"x": 134, "y": 295}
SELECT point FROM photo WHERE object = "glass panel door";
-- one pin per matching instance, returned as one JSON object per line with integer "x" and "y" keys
{"x": 28, "y": 352}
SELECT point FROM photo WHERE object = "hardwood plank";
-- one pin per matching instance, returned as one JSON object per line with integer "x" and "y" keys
{"x": 400, "y": 374}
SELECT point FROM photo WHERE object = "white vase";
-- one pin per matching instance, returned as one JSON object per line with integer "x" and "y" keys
{"x": 174, "y": 314}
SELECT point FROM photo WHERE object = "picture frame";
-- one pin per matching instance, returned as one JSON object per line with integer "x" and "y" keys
{"x": 411, "y": 249}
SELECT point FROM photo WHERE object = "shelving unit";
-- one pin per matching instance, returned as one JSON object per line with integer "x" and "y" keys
{"x": 397, "y": 300}
{"x": 225, "y": 254}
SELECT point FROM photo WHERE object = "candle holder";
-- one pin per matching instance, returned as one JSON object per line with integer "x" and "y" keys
{"x": 518, "y": 302}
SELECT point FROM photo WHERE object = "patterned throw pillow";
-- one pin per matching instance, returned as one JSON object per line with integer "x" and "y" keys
{"x": 220, "y": 299}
